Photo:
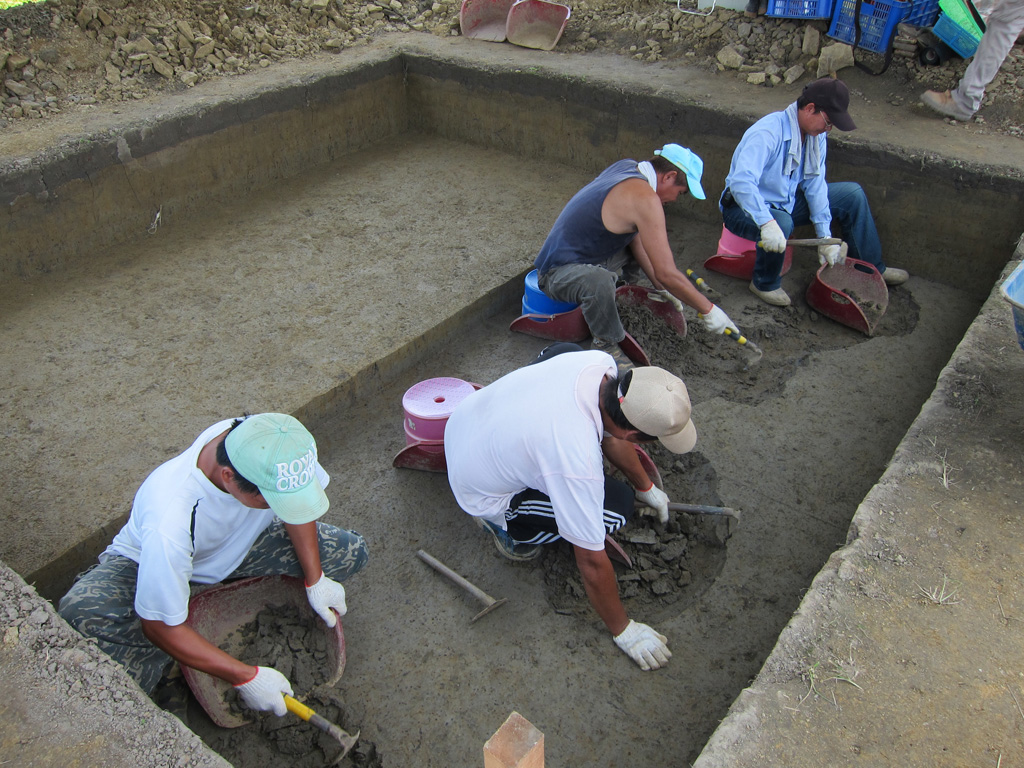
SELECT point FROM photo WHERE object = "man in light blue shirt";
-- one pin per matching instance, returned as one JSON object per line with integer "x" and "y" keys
{"x": 776, "y": 182}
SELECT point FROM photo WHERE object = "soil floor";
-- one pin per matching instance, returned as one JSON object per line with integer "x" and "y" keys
{"x": 904, "y": 650}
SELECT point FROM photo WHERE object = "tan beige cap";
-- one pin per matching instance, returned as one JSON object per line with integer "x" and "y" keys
{"x": 657, "y": 404}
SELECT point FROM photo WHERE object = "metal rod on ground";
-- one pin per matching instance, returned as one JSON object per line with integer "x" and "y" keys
{"x": 815, "y": 241}
{"x": 810, "y": 241}
{"x": 701, "y": 509}
{"x": 489, "y": 602}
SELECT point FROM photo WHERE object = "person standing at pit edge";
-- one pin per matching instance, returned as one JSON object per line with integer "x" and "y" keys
{"x": 585, "y": 251}
{"x": 525, "y": 459}
{"x": 1002, "y": 29}
{"x": 776, "y": 182}
{"x": 242, "y": 501}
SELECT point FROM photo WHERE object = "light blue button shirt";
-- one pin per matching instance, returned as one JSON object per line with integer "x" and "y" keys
{"x": 758, "y": 179}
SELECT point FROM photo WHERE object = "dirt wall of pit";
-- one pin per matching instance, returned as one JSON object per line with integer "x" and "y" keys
{"x": 102, "y": 188}
{"x": 109, "y": 187}
{"x": 65, "y": 702}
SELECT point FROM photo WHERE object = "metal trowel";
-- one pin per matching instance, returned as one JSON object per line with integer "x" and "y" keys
{"x": 746, "y": 343}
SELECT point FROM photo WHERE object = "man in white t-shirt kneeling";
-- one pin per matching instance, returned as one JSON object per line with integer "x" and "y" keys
{"x": 526, "y": 457}
{"x": 242, "y": 501}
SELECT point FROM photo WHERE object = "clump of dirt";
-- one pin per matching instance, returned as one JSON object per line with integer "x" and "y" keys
{"x": 285, "y": 638}
{"x": 672, "y": 565}
{"x": 282, "y": 638}
{"x": 715, "y": 366}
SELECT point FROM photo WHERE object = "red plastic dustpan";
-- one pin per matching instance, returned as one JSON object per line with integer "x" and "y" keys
{"x": 853, "y": 293}
{"x": 424, "y": 456}
{"x": 742, "y": 265}
{"x": 638, "y": 295}
{"x": 634, "y": 351}
{"x": 220, "y": 611}
{"x": 484, "y": 19}
{"x": 649, "y": 466}
{"x": 563, "y": 326}
{"x": 536, "y": 23}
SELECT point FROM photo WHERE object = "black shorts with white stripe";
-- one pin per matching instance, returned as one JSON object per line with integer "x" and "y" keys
{"x": 531, "y": 518}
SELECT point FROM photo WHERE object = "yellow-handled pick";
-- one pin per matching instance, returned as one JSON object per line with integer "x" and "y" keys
{"x": 344, "y": 738}
{"x": 700, "y": 282}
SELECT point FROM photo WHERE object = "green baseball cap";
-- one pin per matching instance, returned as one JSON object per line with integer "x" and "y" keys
{"x": 278, "y": 455}
{"x": 689, "y": 163}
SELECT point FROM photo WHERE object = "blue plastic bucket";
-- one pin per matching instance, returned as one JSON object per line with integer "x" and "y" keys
{"x": 536, "y": 302}
{"x": 1013, "y": 291}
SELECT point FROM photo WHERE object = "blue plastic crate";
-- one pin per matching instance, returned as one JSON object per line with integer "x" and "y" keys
{"x": 1013, "y": 291}
{"x": 955, "y": 36}
{"x": 801, "y": 9}
{"x": 878, "y": 20}
{"x": 923, "y": 13}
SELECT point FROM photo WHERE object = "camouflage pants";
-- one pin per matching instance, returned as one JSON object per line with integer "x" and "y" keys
{"x": 101, "y": 603}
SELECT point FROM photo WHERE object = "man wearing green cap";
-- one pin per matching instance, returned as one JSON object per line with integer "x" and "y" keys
{"x": 623, "y": 207}
{"x": 242, "y": 501}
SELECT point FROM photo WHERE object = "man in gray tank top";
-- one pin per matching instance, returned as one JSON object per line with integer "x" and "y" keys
{"x": 617, "y": 218}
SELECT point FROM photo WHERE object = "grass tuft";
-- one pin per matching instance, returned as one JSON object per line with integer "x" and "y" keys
{"x": 939, "y": 595}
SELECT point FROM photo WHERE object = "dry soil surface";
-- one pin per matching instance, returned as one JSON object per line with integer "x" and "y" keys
{"x": 919, "y": 559}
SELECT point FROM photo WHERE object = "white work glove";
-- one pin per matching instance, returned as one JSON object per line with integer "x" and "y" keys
{"x": 265, "y": 692}
{"x": 656, "y": 501}
{"x": 671, "y": 299}
{"x": 832, "y": 254}
{"x": 644, "y": 646}
{"x": 772, "y": 238}
{"x": 717, "y": 321}
{"x": 325, "y": 595}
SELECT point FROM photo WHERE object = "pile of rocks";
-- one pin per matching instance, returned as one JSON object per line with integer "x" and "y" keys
{"x": 127, "y": 49}
{"x": 148, "y": 46}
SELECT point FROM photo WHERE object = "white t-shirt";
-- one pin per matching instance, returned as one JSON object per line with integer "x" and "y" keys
{"x": 159, "y": 535}
{"x": 538, "y": 427}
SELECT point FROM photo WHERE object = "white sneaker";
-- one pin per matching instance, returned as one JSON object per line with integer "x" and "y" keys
{"x": 777, "y": 298}
{"x": 893, "y": 276}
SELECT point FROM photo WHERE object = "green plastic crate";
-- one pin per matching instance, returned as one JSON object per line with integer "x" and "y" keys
{"x": 960, "y": 14}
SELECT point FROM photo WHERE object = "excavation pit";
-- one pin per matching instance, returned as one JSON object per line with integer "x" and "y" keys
{"x": 325, "y": 243}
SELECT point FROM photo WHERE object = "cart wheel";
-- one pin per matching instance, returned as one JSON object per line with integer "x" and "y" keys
{"x": 930, "y": 57}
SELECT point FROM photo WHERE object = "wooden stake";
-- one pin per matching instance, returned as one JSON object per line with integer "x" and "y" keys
{"x": 517, "y": 744}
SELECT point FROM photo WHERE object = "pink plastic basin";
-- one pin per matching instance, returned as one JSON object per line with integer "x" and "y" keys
{"x": 736, "y": 256}
{"x": 734, "y": 245}
{"x": 428, "y": 405}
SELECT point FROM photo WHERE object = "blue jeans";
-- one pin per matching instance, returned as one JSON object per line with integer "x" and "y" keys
{"x": 849, "y": 207}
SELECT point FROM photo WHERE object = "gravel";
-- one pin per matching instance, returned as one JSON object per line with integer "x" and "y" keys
{"x": 64, "y": 54}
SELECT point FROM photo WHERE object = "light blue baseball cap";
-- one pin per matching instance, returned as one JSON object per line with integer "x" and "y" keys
{"x": 689, "y": 163}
